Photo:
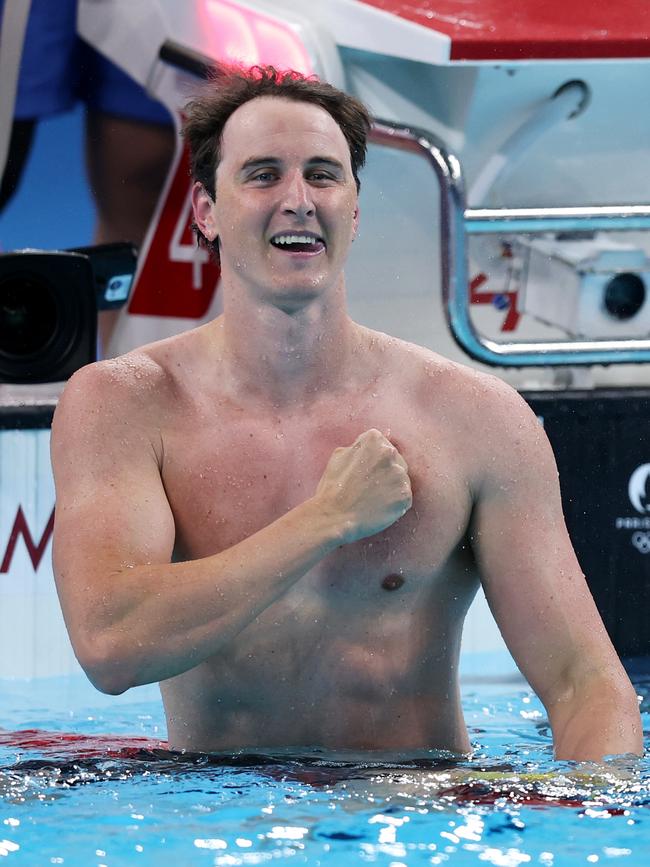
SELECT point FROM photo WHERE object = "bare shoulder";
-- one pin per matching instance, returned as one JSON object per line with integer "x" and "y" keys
{"x": 474, "y": 392}
{"x": 481, "y": 410}
{"x": 433, "y": 375}
{"x": 118, "y": 406}
{"x": 123, "y": 385}
{"x": 501, "y": 436}
{"x": 133, "y": 386}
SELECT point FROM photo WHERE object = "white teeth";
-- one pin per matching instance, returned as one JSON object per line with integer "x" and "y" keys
{"x": 295, "y": 239}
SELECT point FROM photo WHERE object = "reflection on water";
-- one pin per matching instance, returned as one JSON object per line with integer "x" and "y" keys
{"x": 82, "y": 799}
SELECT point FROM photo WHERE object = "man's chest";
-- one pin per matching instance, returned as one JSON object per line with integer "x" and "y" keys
{"x": 230, "y": 476}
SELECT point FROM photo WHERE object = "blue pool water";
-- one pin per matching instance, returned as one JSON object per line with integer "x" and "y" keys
{"x": 117, "y": 801}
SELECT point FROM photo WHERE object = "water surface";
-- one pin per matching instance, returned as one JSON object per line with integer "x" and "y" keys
{"x": 95, "y": 786}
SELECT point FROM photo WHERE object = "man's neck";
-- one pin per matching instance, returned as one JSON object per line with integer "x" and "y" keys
{"x": 287, "y": 359}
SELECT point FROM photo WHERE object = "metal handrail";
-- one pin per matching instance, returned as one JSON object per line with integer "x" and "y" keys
{"x": 627, "y": 218}
{"x": 457, "y": 222}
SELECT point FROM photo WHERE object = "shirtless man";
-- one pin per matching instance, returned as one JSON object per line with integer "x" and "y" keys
{"x": 281, "y": 515}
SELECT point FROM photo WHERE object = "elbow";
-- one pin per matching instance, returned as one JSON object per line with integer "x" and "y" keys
{"x": 105, "y": 664}
{"x": 106, "y": 682}
{"x": 600, "y": 719}
{"x": 107, "y": 685}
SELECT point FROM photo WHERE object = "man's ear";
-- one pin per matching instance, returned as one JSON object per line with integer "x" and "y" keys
{"x": 355, "y": 222}
{"x": 202, "y": 207}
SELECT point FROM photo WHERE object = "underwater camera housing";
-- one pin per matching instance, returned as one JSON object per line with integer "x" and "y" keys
{"x": 48, "y": 307}
{"x": 590, "y": 287}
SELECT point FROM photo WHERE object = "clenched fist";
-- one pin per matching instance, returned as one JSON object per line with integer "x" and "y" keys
{"x": 367, "y": 484}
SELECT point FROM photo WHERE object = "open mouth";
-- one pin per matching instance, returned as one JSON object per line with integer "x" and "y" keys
{"x": 303, "y": 242}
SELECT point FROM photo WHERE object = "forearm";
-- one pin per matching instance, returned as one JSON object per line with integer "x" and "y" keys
{"x": 598, "y": 719}
{"x": 157, "y": 621}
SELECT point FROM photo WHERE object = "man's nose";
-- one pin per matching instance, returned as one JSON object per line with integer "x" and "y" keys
{"x": 297, "y": 197}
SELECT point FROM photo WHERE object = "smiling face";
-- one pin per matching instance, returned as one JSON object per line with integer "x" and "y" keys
{"x": 285, "y": 209}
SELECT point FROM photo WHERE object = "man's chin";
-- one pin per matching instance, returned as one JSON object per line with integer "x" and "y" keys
{"x": 296, "y": 295}
{"x": 293, "y": 303}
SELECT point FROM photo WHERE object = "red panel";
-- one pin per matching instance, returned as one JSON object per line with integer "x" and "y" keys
{"x": 532, "y": 29}
{"x": 176, "y": 278}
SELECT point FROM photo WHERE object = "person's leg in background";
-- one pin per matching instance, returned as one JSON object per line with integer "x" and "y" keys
{"x": 130, "y": 143}
{"x": 127, "y": 162}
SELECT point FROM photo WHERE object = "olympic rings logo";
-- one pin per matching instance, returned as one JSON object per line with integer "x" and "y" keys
{"x": 641, "y": 541}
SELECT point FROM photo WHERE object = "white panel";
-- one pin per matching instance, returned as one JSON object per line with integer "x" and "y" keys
{"x": 33, "y": 638}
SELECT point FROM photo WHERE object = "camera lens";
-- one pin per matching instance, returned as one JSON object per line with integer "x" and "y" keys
{"x": 624, "y": 296}
{"x": 29, "y": 315}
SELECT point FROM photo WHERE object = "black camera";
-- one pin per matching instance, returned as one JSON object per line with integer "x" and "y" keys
{"x": 48, "y": 307}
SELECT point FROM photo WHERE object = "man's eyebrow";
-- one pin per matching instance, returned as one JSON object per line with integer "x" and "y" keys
{"x": 258, "y": 162}
{"x": 327, "y": 161}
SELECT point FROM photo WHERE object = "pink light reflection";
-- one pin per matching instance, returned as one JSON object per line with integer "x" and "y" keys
{"x": 244, "y": 36}
{"x": 281, "y": 46}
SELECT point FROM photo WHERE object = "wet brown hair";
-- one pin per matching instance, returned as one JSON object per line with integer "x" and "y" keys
{"x": 229, "y": 88}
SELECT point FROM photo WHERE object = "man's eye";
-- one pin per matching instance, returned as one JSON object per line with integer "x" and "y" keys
{"x": 264, "y": 177}
{"x": 321, "y": 176}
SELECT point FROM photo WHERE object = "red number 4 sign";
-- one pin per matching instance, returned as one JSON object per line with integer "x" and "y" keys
{"x": 177, "y": 278}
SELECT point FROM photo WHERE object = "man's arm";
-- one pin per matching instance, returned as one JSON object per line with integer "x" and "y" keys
{"x": 537, "y": 592}
{"x": 134, "y": 617}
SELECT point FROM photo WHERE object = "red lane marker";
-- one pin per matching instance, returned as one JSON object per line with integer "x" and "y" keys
{"x": 76, "y": 745}
{"x": 471, "y": 793}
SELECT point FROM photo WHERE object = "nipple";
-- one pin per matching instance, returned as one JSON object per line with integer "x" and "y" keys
{"x": 392, "y": 582}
